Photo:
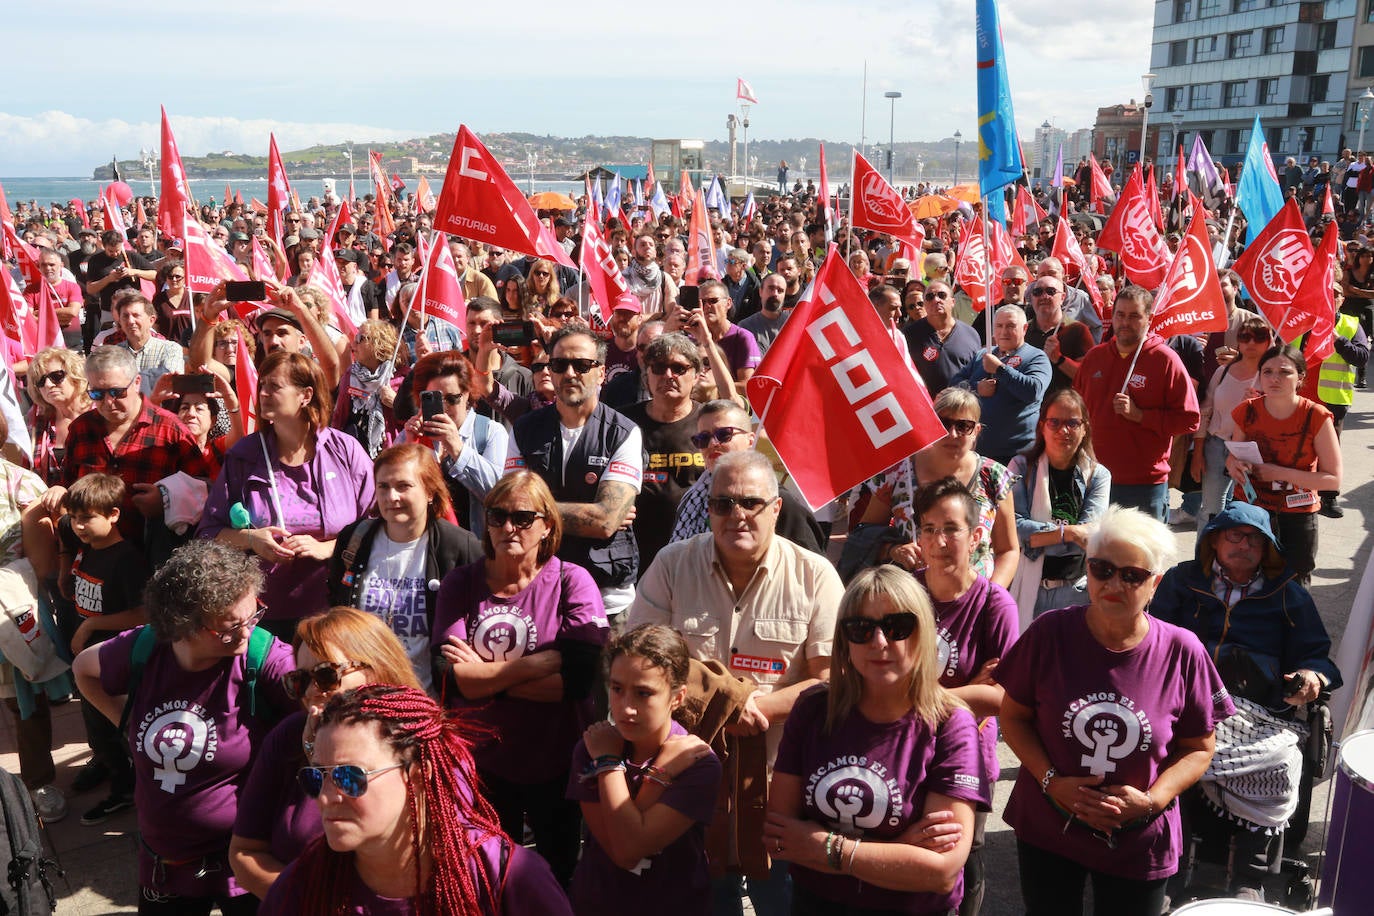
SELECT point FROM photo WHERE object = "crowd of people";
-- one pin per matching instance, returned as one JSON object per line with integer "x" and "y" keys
{"x": 523, "y": 616}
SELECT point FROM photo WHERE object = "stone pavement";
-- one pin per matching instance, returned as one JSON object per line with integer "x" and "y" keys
{"x": 101, "y": 861}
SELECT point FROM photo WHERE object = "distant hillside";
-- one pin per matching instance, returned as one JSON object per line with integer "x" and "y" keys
{"x": 565, "y": 157}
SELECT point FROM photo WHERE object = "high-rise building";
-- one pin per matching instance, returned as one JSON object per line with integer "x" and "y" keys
{"x": 1219, "y": 63}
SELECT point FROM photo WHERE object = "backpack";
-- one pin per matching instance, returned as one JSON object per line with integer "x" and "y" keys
{"x": 259, "y": 642}
{"x": 27, "y": 889}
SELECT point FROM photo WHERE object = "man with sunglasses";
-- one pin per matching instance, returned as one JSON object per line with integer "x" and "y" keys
{"x": 940, "y": 343}
{"x": 758, "y": 604}
{"x": 1273, "y": 652}
{"x": 127, "y": 436}
{"x": 1078, "y": 305}
{"x": 1064, "y": 342}
{"x": 1010, "y": 379}
{"x": 592, "y": 458}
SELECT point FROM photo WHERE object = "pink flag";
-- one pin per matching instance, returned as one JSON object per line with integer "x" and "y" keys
{"x": 325, "y": 277}
{"x": 262, "y": 265}
{"x": 114, "y": 217}
{"x": 602, "y": 273}
{"x": 175, "y": 198}
{"x": 440, "y": 294}
{"x": 744, "y": 92}
{"x": 823, "y": 199}
{"x": 246, "y": 386}
{"x": 207, "y": 264}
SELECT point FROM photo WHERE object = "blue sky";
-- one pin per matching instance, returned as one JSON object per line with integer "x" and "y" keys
{"x": 92, "y": 74}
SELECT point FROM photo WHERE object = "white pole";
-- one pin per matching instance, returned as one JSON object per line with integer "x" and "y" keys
{"x": 863, "y": 116}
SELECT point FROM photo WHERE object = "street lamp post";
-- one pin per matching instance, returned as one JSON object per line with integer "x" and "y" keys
{"x": 149, "y": 160}
{"x": 530, "y": 160}
{"x": 920, "y": 169}
{"x": 1147, "y": 80}
{"x": 350, "y": 167}
{"x": 1177, "y": 119}
{"x": 744, "y": 120}
{"x": 958, "y": 138}
{"x": 1302, "y": 141}
{"x": 892, "y": 96}
{"x": 1362, "y": 105}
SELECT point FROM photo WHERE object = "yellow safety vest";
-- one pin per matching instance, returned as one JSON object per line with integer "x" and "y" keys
{"x": 1336, "y": 380}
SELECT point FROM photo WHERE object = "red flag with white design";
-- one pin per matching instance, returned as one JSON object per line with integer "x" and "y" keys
{"x": 114, "y": 217}
{"x": 325, "y": 277}
{"x": 278, "y": 191}
{"x": 548, "y": 242}
{"x": 1067, "y": 250}
{"x": 341, "y": 216}
{"x": 246, "y": 386}
{"x": 603, "y": 275}
{"x": 969, "y": 267}
{"x": 1101, "y": 190}
{"x": 878, "y": 206}
{"x": 1152, "y": 197}
{"x": 17, "y": 320}
{"x": 24, "y": 253}
{"x": 837, "y": 399}
{"x": 744, "y": 92}
{"x": 1021, "y": 212}
{"x": 440, "y": 293}
{"x": 207, "y": 264}
{"x": 424, "y": 197}
{"x": 1190, "y": 302}
{"x": 823, "y": 197}
{"x": 262, "y": 264}
{"x": 1275, "y": 262}
{"x": 379, "y": 179}
{"x": 1314, "y": 307}
{"x": 479, "y": 201}
{"x": 701, "y": 255}
{"x": 1132, "y": 233}
{"x": 175, "y": 198}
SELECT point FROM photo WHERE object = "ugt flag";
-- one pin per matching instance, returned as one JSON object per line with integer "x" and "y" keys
{"x": 836, "y": 398}
{"x": 999, "y": 152}
{"x": 1190, "y": 301}
{"x": 1275, "y": 262}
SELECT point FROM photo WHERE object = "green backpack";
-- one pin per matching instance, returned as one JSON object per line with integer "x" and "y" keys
{"x": 259, "y": 642}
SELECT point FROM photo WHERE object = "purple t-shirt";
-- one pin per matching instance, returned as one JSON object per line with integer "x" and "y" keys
{"x": 272, "y": 806}
{"x": 977, "y": 626}
{"x": 871, "y": 781}
{"x": 527, "y": 888}
{"x": 192, "y": 741}
{"x": 525, "y": 741}
{"x": 740, "y": 348}
{"x": 678, "y": 879}
{"x": 1114, "y": 714}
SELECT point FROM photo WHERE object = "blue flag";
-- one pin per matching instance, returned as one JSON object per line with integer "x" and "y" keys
{"x": 999, "y": 151}
{"x": 716, "y": 199}
{"x": 1258, "y": 194}
{"x": 613, "y": 197}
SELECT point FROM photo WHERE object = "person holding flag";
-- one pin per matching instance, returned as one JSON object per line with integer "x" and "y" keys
{"x": 107, "y": 272}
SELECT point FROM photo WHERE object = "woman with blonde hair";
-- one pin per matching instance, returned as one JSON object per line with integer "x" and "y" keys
{"x": 890, "y": 834}
{"x": 541, "y": 287}
{"x": 367, "y": 391}
{"x": 57, "y": 387}
{"x": 335, "y": 651}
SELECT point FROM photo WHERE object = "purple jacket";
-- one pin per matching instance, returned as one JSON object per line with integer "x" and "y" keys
{"x": 341, "y": 479}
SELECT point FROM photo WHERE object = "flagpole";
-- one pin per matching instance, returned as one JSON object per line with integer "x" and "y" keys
{"x": 1130, "y": 369}
{"x": 987, "y": 273}
{"x": 853, "y": 171}
{"x": 863, "y": 119}
{"x": 1225, "y": 243}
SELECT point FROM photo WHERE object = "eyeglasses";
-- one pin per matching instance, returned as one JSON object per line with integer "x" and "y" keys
{"x": 1252, "y": 337}
{"x": 176, "y": 276}
{"x": 721, "y": 435}
{"x": 453, "y": 400}
{"x": 959, "y": 427}
{"x": 1045, "y": 291}
{"x": 713, "y": 300}
{"x": 326, "y": 676}
{"x": 948, "y": 532}
{"x": 1131, "y": 576}
{"x": 540, "y": 273}
{"x": 99, "y": 394}
{"x": 725, "y": 505}
{"x": 520, "y": 518}
{"x": 561, "y": 364}
{"x": 930, "y": 297}
{"x": 1014, "y": 281}
{"x": 895, "y": 627}
{"x": 562, "y": 316}
{"x": 536, "y": 368}
{"x": 1072, "y": 424}
{"x": 1241, "y": 536}
{"x": 54, "y": 378}
{"x": 350, "y": 779}
{"x": 678, "y": 369}
{"x": 231, "y": 634}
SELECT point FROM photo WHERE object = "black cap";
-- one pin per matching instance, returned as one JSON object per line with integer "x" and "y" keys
{"x": 286, "y": 315}
{"x": 349, "y": 254}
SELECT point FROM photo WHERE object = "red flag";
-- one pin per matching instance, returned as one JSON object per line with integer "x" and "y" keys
{"x": 1152, "y": 197}
{"x": 603, "y": 275}
{"x": 114, "y": 217}
{"x": 1180, "y": 174}
{"x": 1328, "y": 207}
{"x": 174, "y": 200}
{"x": 341, "y": 216}
{"x": 26, "y": 254}
{"x": 440, "y": 294}
{"x": 48, "y": 327}
{"x": 879, "y": 207}
{"x": 246, "y": 386}
{"x": 325, "y": 277}
{"x": 140, "y": 215}
{"x": 5, "y": 213}
{"x": 479, "y": 201}
{"x": 1190, "y": 301}
{"x": 649, "y": 180}
{"x": 17, "y": 320}
{"x": 968, "y": 270}
{"x": 1021, "y": 211}
{"x": 684, "y": 187}
{"x": 262, "y": 265}
{"x": 1274, "y": 264}
{"x": 1101, "y": 190}
{"x": 424, "y": 197}
{"x": 228, "y": 195}
{"x": 701, "y": 254}
{"x": 838, "y": 401}
{"x": 278, "y": 191}
{"x": 207, "y": 264}
{"x": 1314, "y": 307}
{"x": 1131, "y": 233}
{"x": 383, "y": 184}
{"x": 823, "y": 199}
{"x": 1067, "y": 250}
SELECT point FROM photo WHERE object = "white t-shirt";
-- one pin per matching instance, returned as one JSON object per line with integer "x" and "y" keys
{"x": 394, "y": 590}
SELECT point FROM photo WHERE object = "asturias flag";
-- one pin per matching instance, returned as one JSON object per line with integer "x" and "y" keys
{"x": 999, "y": 152}
{"x": 1258, "y": 195}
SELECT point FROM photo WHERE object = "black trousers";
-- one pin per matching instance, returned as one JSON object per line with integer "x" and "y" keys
{"x": 555, "y": 821}
{"x": 1052, "y": 885}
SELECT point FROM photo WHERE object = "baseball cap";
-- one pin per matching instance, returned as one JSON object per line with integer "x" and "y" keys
{"x": 281, "y": 314}
{"x": 628, "y": 302}
{"x": 349, "y": 254}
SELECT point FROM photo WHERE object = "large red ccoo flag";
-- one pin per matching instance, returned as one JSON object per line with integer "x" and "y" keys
{"x": 440, "y": 294}
{"x": 836, "y": 398}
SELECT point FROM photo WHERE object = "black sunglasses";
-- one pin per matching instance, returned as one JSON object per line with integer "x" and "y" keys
{"x": 895, "y": 627}
{"x": 678, "y": 369}
{"x": 1241, "y": 337}
{"x": 959, "y": 427}
{"x": 350, "y": 779}
{"x": 930, "y": 297}
{"x": 1056, "y": 424}
{"x": 561, "y": 364}
{"x": 520, "y": 518}
{"x": 1044, "y": 291}
{"x": 721, "y": 434}
{"x": 725, "y": 505}
{"x": 1131, "y": 576}
{"x": 326, "y": 676}
{"x": 54, "y": 378}
{"x": 538, "y": 367}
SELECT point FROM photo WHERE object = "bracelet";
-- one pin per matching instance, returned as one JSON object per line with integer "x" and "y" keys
{"x": 1045, "y": 781}
{"x": 1061, "y": 531}
{"x": 234, "y": 411}
{"x": 833, "y": 850}
{"x": 657, "y": 775}
{"x": 1150, "y": 800}
{"x": 593, "y": 773}
{"x": 853, "y": 851}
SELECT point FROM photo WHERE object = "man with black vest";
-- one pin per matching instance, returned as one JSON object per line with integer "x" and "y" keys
{"x": 592, "y": 458}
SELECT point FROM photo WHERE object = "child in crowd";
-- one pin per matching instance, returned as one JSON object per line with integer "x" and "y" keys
{"x": 102, "y": 575}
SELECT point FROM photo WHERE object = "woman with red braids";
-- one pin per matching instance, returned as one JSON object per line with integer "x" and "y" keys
{"x": 405, "y": 831}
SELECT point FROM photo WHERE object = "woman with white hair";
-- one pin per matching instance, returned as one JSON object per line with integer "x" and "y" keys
{"x": 1113, "y": 714}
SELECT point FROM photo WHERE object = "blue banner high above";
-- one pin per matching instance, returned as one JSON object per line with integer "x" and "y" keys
{"x": 999, "y": 152}
{"x": 1258, "y": 193}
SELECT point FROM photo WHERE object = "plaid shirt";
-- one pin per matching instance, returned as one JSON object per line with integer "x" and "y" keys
{"x": 156, "y": 446}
